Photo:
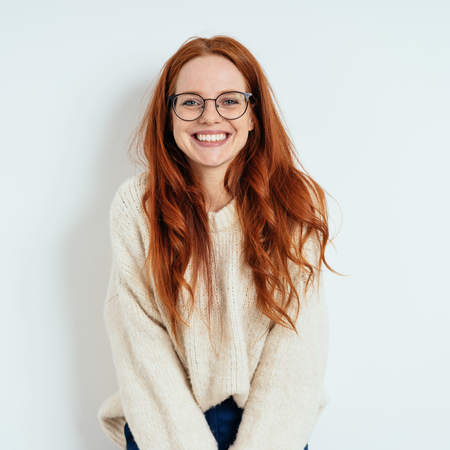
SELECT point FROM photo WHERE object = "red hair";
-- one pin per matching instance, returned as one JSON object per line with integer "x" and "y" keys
{"x": 274, "y": 197}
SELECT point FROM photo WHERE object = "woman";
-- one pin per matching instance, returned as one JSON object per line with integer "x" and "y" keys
{"x": 218, "y": 332}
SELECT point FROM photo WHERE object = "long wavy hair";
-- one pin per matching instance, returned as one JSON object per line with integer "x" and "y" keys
{"x": 274, "y": 197}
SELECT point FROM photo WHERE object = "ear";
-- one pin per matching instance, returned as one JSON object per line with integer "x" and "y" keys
{"x": 251, "y": 123}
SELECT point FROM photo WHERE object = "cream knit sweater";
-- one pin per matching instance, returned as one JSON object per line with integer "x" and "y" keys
{"x": 277, "y": 377}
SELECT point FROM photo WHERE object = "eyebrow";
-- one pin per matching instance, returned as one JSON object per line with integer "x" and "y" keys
{"x": 221, "y": 92}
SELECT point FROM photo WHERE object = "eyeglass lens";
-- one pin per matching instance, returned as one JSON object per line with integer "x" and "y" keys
{"x": 230, "y": 105}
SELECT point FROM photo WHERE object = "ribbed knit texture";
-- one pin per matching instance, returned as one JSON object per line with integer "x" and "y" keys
{"x": 276, "y": 376}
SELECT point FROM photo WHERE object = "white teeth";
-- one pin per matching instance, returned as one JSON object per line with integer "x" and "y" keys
{"x": 211, "y": 137}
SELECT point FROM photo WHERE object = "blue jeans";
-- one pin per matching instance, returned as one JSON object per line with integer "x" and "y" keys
{"x": 223, "y": 419}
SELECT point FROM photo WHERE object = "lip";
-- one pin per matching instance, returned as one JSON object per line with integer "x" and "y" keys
{"x": 210, "y": 144}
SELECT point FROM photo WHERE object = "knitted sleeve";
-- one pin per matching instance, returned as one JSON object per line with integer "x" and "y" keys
{"x": 155, "y": 391}
{"x": 286, "y": 393}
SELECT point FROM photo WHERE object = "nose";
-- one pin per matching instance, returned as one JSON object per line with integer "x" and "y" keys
{"x": 210, "y": 114}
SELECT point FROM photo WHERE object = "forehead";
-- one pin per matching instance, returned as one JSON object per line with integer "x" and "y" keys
{"x": 209, "y": 76}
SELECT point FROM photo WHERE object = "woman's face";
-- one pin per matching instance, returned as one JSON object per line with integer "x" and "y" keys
{"x": 210, "y": 76}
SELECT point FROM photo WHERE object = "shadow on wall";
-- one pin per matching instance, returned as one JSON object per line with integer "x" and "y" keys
{"x": 87, "y": 261}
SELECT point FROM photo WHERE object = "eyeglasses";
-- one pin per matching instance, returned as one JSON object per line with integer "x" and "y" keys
{"x": 230, "y": 105}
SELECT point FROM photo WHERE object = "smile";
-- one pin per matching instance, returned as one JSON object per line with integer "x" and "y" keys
{"x": 211, "y": 137}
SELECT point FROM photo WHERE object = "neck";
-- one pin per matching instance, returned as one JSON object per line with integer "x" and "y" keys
{"x": 215, "y": 202}
{"x": 216, "y": 195}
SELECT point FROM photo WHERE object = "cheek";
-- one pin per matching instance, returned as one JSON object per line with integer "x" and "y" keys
{"x": 177, "y": 138}
{"x": 246, "y": 126}
{"x": 180, "y": 134}
{"x": 174, "y": 126}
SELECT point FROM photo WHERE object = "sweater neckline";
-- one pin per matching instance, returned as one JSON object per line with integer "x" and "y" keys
{"x": 224, "y": 218}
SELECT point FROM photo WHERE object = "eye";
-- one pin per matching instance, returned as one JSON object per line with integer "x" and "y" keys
{"x": 191, "y": 102}
{"x": 231, "y": 100}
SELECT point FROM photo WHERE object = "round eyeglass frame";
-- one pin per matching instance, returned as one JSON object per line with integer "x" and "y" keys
{"x": 172, "y": 99}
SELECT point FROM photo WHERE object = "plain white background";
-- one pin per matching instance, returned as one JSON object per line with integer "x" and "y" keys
{"x": 364, "y": 88}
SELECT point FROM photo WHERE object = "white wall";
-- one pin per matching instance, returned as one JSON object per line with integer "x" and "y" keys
{"x": 364, "y": 86}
